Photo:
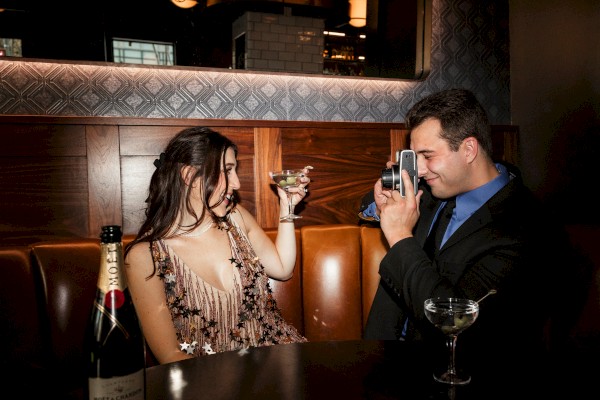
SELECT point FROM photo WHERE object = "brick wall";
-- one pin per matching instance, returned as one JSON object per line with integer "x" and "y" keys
{"x": 278, "y": 42}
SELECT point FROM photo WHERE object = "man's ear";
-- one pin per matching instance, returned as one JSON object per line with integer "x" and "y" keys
{"x": 471, "y": 148}
{"x": 187, "y": 174}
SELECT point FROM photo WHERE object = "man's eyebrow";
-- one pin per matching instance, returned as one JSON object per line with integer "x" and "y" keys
{"x": 425, "y": 152}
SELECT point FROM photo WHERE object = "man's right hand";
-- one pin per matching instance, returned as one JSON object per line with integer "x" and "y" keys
{"x": 379, "y": 195}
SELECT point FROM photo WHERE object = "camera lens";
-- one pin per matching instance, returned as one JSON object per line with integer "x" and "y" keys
{"x": 390, "y": 177}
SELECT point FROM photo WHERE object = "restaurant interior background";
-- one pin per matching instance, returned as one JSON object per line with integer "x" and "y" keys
{"x": 329, "y": 37}
{"x": 533, "y": 64}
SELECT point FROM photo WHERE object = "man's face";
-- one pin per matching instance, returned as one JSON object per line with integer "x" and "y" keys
{"x": 444, "y": 170}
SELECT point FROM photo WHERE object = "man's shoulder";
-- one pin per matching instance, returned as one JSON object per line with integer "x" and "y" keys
{"x": 515, "y": 195}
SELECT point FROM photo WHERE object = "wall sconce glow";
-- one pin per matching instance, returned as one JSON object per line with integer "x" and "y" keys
{"x": 358, "y": 13}
{"x": 184, "y": 3}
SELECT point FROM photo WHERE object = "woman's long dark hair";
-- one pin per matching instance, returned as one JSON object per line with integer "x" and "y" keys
{"x": 199, "y": 147}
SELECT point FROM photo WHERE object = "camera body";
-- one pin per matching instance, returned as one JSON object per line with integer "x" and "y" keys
{"x": 391, "y": 177}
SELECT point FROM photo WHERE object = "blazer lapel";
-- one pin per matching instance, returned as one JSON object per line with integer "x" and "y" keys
{"x": 483, "y": 216}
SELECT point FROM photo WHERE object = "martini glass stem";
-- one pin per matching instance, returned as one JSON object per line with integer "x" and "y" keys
{"x": 290, "y": 207}
{"x": 451, "y": 344}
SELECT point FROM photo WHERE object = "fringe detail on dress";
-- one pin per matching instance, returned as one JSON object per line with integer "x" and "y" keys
{"x": 208, "y": 320}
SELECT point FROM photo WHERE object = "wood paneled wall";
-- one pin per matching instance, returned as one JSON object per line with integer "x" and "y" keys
{"x": 68, "y": 176}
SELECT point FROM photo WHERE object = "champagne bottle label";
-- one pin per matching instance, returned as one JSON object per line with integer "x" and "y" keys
{"x": 129, "y": 387}
{"x": 110, "y": 269}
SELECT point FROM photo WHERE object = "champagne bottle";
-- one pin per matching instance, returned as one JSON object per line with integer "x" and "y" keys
{"x": 116, "y": 347}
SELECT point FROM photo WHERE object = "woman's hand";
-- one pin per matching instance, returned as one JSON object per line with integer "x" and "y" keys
{"x": 298, "y": 193}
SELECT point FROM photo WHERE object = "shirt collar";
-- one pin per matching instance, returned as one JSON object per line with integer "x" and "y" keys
{"x": 469, "y": 202}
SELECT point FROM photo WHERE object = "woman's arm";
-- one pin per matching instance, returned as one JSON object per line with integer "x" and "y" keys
{"x": 151, "y": 306}
{"x": 277, "y": 258}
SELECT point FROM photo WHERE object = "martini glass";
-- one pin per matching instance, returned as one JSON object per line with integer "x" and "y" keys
{"x": 451, "y": 316}
{"x": 287, "y": 179}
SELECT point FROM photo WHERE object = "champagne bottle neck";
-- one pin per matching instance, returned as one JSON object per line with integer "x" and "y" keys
{"x": 111, "y": 234}
{"x": 111, "y": 278}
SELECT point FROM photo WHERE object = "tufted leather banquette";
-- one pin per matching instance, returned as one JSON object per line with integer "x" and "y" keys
{"x": 48, "y": 288}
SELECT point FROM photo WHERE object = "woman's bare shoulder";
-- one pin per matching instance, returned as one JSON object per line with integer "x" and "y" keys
{"x": 139, "y": 248}
{"x": 139, "y": 254}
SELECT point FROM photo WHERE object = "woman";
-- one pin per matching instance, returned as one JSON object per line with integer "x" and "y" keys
{"x": 198, "y": 268}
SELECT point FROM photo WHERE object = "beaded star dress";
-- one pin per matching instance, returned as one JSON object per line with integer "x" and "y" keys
{"x": 209, "y": 320}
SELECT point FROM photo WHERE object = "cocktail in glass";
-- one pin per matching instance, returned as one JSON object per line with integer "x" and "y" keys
{"x": 451, "y": 316}
{"x": 287, "y": 179}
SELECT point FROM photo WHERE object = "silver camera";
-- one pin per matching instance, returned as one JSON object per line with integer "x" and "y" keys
{"x": 391, "y": 177}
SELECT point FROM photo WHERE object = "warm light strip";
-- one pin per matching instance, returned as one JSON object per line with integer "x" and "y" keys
{"x": 329, "y": 33}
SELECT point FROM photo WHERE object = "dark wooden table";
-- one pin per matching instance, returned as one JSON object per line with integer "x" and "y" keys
{"x": 333, "y": 370}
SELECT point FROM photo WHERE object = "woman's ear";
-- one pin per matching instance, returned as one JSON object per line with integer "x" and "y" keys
{"x": 187, "y": 174}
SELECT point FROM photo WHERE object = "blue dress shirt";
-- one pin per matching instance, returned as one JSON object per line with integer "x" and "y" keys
{"x": 469, "y": 202}
{"x": 466, "y": 203}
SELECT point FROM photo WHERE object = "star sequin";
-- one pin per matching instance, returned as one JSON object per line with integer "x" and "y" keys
{"x": 192, "y": 347}
{"x": 184, "y": 346}
{"x": 208, "y": 349}
{"x": 170, "y": 278}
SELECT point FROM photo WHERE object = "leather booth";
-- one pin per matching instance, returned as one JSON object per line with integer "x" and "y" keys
{"x": 48, "y": 289}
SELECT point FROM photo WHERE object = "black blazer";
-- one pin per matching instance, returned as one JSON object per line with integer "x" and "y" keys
{"x": 510, "y": 244}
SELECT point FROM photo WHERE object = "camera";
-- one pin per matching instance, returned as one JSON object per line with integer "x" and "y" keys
{"x": 391, "y": 177}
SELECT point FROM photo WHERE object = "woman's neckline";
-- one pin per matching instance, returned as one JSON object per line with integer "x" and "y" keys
{"x": 201, "y": 230}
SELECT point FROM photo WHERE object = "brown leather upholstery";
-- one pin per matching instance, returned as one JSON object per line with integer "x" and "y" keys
{"x": 69, "y": 271}
{"x": 288, "y": 294}
{"x": 331, "y": 282}
{"x": 48, "y": 288}
{"x": 374, "y": 248}
{"x": 19, "y": 310}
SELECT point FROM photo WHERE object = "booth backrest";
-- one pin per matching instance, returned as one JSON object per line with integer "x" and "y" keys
{"x": 45, "y": 305}
{"x": 20, "y": 323}
{"x": 48, "y": 290}
{"x": 68, "y": 272}
{"x": 334, "y": 264}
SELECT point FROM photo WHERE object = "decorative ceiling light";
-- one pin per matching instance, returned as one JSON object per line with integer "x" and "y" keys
{"x": 358, "y": 13}
{"x": 184, "y": 3}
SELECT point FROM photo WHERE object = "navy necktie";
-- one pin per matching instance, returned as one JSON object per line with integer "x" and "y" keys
{"x": 434, "y": 239}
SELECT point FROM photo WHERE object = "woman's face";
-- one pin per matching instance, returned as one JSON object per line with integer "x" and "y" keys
{"x": 222, "y": 192}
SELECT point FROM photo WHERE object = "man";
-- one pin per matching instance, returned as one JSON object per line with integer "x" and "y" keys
{"x": 498, "y": 238}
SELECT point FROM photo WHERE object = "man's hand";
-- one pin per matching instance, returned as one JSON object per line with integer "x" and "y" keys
{"x": 398, "y": 214}
{"x": 381, "y": 195}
